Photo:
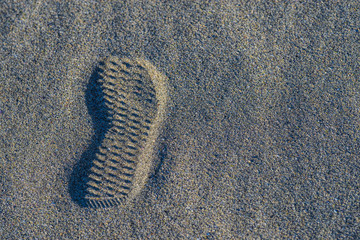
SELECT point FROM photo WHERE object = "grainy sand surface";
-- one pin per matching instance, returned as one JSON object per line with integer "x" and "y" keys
{"x": 261, "y": 141}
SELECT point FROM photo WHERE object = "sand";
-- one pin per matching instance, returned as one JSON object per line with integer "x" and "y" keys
{"x": 261, "y": 140}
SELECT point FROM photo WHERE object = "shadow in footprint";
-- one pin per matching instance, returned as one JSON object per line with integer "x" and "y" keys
{"x": 100, "y": 117}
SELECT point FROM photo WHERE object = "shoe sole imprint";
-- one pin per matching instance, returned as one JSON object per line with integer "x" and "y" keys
{"x": 136, "y": 94}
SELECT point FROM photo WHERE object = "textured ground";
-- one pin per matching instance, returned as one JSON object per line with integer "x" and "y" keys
{"x": 262, "y": 140}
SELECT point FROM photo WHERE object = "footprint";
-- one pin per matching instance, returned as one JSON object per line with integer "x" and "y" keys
{"x": 136, "y": 95}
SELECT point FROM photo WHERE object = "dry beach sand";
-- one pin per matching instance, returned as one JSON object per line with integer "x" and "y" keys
{"x": 261, "y": 138}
